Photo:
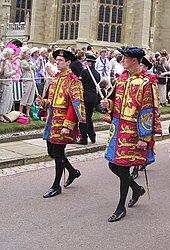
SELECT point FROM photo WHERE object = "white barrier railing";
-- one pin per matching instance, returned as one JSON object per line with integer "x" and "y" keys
{"x": 24, "y": 79}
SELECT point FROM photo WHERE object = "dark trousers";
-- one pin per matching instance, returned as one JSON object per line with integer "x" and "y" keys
{"x": 124, "y": 175}
{"x": 87, "y": 129}
{"x": 57, "y": 152}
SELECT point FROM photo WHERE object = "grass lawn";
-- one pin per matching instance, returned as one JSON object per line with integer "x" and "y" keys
{"x": 18, "y": 127}
{"x": 165, "y": 110}
{"x": 11, "y": 127}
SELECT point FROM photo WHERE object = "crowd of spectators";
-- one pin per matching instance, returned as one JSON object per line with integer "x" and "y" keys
{"x": 23, "y": 70}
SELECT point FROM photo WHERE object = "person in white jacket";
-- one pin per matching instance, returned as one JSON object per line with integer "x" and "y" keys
{"x": 102, "y": 65}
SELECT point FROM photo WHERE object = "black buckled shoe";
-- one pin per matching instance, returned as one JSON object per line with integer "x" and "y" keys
{"x": 136, "y": 196}
{"x": 82, "y": 142}
{"x": 116, "y": 217}
{"x": 52, "y": 192}
{"x": 72, "y": 177}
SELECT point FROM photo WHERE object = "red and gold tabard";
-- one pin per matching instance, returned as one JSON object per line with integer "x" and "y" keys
{"x": 65, "y": 108}
{"x": 134, "y": 109}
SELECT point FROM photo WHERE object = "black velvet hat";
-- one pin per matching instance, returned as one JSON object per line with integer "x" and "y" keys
{"x": 133, "y": 52}
{"x": 64, "y": 53}
{"x": 146, "y": 62}
{"x": 90, "y": 58}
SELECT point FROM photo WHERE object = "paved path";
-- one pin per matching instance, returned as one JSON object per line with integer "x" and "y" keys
{"x": 34, "y": 150}
{"x": 77, "y": 219}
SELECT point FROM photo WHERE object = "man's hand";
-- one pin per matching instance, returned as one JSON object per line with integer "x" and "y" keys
{"x": 104, "y": 103}
{"x": 142, "y": 145}
{"x": 65, "y": 131}
{"x": 39, "y": 101}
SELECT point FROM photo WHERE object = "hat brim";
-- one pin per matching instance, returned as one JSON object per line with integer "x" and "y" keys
{"x": 146, "y": 62}
{"x": 121, "y": 51}
{"x": 132, "y": 52}
{"x": 33, "y": 50}
{"x": 125, "y": 53}
{"x": 65, "y": 53}
{"x": 90, "y": 60}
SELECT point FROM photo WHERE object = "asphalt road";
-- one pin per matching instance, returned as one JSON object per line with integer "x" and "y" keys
{"x": 77, "y": 219}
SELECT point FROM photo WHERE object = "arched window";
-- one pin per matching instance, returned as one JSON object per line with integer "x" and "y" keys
{"x": 118, "y": 34}
{"x": 23, "y": 4}
{"x": 106, "y": 33}
{"x": 110, "y": 20}
{"x": 17, "y": 16}
{"x": 22, "y": 7}
{"x": 101, "y": 13}
{"x": 62, "y": 13}
{"x": 29, "y": 4}
{"x": 121, "y": 2}
{"x": 77, "y": 12}
{"x": 18, "y": 4}
{"x": 72, "y": 31}
{"x": 119, "y": 21}
{"x": 62, "y": 31}
{"x": 100, "y": 32}
{"x": 66, "y": 31}
{"x": 112, "y": 34}
{"x": 76, "y": 31}
{"x": 107, "y": 14}
{"x": 69, "y": 19}
{"x": 67, "y": 12}
{"x": 114, "y": 14}
{"x": 22, "y": 16}
{"x": 73, "y": 13}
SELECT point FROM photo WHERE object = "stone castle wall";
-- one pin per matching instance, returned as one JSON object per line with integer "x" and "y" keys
{"x": 145, "y": 23}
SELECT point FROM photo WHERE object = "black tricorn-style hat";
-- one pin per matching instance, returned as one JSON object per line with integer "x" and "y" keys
{"x": 146, "y": 62}
{"x": 133, "y": 52}
{"x": 64, "y": 53}
{"x": 90, "y": 58}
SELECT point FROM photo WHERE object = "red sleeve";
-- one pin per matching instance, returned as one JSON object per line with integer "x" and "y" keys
{"x": 71, "y": 114}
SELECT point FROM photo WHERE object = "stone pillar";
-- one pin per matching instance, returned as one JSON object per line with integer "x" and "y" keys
{"x": 6, "y": 9}
{"x": 137, "y": 29}
{"x": 37, "y": 21}
{"x": 145, "y": 31}
{"x": 52, "y": 13}
{"x": 85, "y": 23}
{"x": 43, "y": 22}
{"x": 4, "y": 29}
{"x": 162, "y": 25}
{"x": 27, "y": 26}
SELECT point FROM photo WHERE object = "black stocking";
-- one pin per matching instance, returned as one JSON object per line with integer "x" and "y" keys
{"x": 135, "y": 187}
{"x": 124, "y": 186}
{"x": 68, "y": 166}
{"x": 59, "y": 166}
{"x": 113, "y": 168}
{"x": 124, "y": 174}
